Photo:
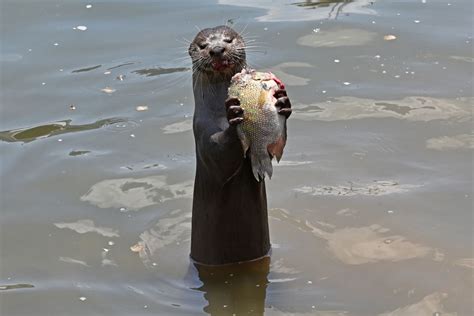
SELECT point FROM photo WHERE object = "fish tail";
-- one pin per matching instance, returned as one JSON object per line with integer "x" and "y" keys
{"x": 261, "y": 165}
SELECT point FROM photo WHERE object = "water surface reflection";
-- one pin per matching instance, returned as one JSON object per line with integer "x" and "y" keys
{"x": 57, "y": 128}
{"x": 237, "y": 289}
{"x": 287, "y": 10}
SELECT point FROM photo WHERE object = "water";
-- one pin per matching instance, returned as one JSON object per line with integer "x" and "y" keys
{"x": 371, "y": 206}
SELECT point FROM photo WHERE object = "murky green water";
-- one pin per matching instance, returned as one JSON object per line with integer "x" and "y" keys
{"x": 371, "y": 207}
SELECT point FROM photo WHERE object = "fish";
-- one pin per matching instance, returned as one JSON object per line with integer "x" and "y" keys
{"x": 262, "y": 132}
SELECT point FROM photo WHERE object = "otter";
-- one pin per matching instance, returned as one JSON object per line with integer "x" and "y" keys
{"x": 229, "y": 210}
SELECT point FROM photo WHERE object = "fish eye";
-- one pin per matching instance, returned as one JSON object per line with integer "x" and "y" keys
{"x": 202, "y": 45}
{"x": 228, "y": 40}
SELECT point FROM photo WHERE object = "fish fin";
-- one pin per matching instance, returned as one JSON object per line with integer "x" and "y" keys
{"x": 245, "y": 147}
{"x": 276, "y": 149}
{"x": 261, "y": 165}
{"x": 244, "y": 141}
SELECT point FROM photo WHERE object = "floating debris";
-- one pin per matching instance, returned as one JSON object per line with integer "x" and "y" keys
{"x": 121, "y": 65}
{"x": 417, "y": 21}
{"x": 82, "y": 298}
{"x": 74, "y": 261}
{"x": 107, "y": 73}
{"x": 134, "y": 194}
{"x": 78, "y": 152}
{"x": 178, "y": 127}
{"x": 389, "y": 37}
{"x": 285, "y": 72}
{"x": 375, "y": 188}
{"x": 337, "y": 38}
{"x": 137, "y": 247}
{"x": 462, "y": 141}
{"x": 52, "y": 129}
{"x": 88, "y": 6}
{"x": 88, "y": 226}
{"x": 111, "y": 243}
{"x": 15, "y": 286}
{"x": 81, "y": 28}
{"x": 86, "y": 69}
{"x": 291, "y": 163}
{"x": 347, "y": 83}
{"x": 337, "y": 60}
{"x": 72, "y": 107}
{"x": 465, "y": 262}
{"x": 108, "y": 90}
{"x": 150, "y": 72}
{"x": 141, "y": 108}
{"x": 120, "y": 77}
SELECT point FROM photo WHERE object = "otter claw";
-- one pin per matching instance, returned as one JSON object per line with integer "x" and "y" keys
{"x": 232, "y": 102}
{"x": 236, "y": 120}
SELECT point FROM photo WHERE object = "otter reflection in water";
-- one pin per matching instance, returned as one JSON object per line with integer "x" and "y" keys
{"x": 236, "y": 289}
{"x": 336, "y": 9}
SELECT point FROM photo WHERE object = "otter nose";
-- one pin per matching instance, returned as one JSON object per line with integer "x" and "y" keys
{"x": 217, "y": 51}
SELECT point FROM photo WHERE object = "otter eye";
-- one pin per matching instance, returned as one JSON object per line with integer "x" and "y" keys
{"x": 202, "y": 45}
{"x": 228, "y": 40}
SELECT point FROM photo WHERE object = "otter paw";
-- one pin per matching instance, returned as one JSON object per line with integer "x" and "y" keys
{"x": 235, "y": 114}
{"x": 283, "y": 103}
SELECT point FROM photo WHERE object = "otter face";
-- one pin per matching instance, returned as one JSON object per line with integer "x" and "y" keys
{"x": 219, "y": 50}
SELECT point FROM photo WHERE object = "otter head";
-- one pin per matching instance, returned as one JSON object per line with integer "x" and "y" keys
{"x": 218, "y": 50}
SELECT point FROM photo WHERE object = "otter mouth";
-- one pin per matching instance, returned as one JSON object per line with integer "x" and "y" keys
{"x": 221, "y": 64}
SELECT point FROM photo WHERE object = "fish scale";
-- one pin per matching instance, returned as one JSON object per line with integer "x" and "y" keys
{"x": 263, "y": 131}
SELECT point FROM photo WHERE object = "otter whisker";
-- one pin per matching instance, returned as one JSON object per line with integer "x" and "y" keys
{"x": 183, "y": 41}
{"x": 242, "y": 32}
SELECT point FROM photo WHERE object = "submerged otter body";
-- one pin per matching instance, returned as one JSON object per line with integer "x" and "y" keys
{"x": 229, "y": 216}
